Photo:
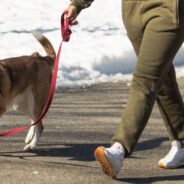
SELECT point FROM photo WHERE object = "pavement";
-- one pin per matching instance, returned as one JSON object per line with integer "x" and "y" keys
{"x": 80, "y": 120}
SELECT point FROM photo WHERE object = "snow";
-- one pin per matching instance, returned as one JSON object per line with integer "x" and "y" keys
{"x": 99, "y": 50}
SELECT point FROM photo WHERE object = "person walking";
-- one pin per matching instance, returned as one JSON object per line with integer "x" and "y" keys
{"x": 156, "y": 31}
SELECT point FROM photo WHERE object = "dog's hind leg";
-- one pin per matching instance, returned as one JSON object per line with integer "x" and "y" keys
{"x": 30, "y": 103}
{"x": 30, "y": 134}
{"x": 40, "y": 93}
{"x": 34, "y": 133}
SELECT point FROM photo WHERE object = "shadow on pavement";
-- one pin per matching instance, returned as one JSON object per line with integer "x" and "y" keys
{"x": 80, "y": 152}
{"x": 150, "y": 180}
{"x": 150, "y": 144}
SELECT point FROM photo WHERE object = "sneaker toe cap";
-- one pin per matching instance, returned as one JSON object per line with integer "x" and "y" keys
{"x": 104, "y": 162}
{"x": 162, "y": 164}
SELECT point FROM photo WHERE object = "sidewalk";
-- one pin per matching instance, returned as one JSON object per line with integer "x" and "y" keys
{"x": 77, "y": 123}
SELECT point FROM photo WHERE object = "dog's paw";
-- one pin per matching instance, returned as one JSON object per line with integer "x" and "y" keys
{"x": 28, "y": 147}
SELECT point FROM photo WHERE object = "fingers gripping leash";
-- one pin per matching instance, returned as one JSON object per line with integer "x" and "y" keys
{"x": 65, "y": 27}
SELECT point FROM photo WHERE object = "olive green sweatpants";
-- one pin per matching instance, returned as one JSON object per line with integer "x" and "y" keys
{"x": 156, "y": 31}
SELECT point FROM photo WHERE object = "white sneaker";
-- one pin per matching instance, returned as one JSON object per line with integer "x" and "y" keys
{"x": 110, "y": 159}
{"x": 175, "y": 157}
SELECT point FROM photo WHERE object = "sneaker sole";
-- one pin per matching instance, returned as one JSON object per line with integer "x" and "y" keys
{"x": 100, "y": 156}
{"x": 161, "y": 165}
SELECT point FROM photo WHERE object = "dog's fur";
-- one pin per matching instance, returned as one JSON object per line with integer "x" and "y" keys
{"x": 25, "y": 83}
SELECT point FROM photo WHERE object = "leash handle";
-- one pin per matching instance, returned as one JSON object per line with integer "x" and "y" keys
{"x": 65, "y": 27}
{"x": 66, "y": 33}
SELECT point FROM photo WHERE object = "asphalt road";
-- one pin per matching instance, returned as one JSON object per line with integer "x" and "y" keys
{"x": 79, "y": 121}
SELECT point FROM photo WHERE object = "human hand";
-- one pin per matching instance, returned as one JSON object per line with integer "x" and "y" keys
{"x": 72, "y": 15}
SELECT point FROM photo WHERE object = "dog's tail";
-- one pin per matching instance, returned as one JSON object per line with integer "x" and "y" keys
{"x": 46, "y": 45}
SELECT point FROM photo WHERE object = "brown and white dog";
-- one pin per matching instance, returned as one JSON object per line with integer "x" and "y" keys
{"x": 25, "y": 83}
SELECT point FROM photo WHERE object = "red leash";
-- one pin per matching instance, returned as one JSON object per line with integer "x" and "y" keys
{"x": 66, "y": 33}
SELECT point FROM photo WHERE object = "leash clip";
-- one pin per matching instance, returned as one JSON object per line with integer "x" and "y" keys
{"x": 65, "y": 27}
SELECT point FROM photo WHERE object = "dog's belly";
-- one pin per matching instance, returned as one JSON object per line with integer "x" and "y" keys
{"x": 24, "y": 102}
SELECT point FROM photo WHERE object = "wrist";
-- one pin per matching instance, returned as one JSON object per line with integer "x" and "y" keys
{"x": 77, "y": 6}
